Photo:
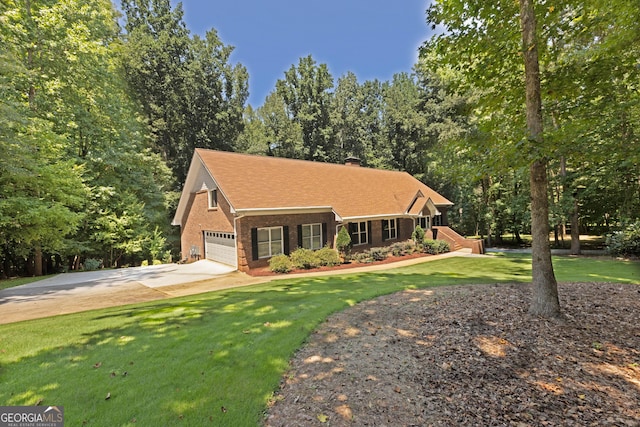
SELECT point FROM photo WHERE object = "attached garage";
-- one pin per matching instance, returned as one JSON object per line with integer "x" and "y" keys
{"x": 220, "y": 247}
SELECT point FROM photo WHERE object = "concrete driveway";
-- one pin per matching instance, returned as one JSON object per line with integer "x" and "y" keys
{"x": 74, "y": 292}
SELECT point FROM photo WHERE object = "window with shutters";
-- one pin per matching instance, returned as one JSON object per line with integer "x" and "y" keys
{"x": 270, "y": 242}
{"x": 358, "y": 233}
{"x": 312, "y": 236}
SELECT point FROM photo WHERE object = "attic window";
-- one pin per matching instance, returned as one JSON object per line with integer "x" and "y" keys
{"x": 213, "y": 199}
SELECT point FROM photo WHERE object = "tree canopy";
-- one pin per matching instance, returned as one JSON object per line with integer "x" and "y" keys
{"x": 100, "y": 115}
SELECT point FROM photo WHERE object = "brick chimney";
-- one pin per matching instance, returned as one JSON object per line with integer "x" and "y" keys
{"x": 352, "y": 161}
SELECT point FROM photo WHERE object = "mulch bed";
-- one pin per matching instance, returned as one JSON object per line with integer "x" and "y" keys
{"x": 264, "y": 271}
{"x": 470, "y": 356}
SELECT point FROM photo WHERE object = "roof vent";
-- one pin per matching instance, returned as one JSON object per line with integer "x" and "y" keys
{"x": 352, "y": 161}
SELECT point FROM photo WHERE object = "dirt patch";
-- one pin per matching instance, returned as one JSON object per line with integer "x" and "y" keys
{"x": 470, "y": 355}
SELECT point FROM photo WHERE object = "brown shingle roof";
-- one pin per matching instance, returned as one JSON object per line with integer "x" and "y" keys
{"x": 260, "y": 182}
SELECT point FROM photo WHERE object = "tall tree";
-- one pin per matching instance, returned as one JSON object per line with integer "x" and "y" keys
{"x": 356, "y": 119}
{"x": 305, "y": 91}
{"x": 74, "y": 134}
{"x": 192, "y": 96}
{"x": 404, "y": 124}
{"x": 483, "y": 44}
{"x": 253, "y": 139}
{"x": 545, "y": 296}
{"x": 283, "y": 133}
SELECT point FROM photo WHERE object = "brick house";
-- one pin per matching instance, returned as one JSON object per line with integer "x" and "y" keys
{"x": 242, "y": 209}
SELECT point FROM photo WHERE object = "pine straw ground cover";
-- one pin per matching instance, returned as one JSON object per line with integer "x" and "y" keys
{"x": 470, "y": 356}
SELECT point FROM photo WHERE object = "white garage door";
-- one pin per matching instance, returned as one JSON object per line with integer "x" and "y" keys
{"x": 220, "y": 247}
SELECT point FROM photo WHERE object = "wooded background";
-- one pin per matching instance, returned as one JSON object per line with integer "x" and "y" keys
{"x": 100, "y": 114}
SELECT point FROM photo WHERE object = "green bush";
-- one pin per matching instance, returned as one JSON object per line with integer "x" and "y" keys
{"x": 328, "y": 257}
{"x": 280, "y": 264}
{"x": 397, "y": 249}
{"x": 304, "y": 258}
{"x": 418, "y": 234}
{"x": 403, "y": 248}
{"x": 435, "y": 247}
{"x": 379, "y": 254}
{"x": 343, "y": 242}
{"x": 625, "y": 242}
{"x": 362, "y": 257}
{"x": 91, "y": 264}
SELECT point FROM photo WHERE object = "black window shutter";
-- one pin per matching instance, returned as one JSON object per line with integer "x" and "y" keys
{"x": 398, "y": 228}
{"x": 324, "y": 234}
{"x": 285, "y": 237}
{"x": 299, "y": 235}
{"x": 385, "y": 231}
{"x": 369, "y": 232}
{"x": 254, "y": 244}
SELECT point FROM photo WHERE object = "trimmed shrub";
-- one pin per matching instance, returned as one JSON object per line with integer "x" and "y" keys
{"x": 280, "y": 264}
{"x": 379, "y": 254}
{"x": 397, "y": 249}
{"x": 362, "y": 257}
{"x": 343, "y": 242}
{"x": 435, "y": 247}
{"x": 403, "y": 248}
{"x": 625, "y": 242}
{"x": 304, "y": 258}
{"x": 328, "y": 257}
{"x": 418, "y": 234}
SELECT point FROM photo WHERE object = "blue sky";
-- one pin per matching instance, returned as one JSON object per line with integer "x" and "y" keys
{"x": 372, "y": 38}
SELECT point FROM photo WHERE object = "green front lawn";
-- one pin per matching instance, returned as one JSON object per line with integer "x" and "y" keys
{"x": 216, "y": 358}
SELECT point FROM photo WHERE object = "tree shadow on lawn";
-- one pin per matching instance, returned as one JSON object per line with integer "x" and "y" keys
{"x": 211, "y": 358}
{"x": 185, "y": 358}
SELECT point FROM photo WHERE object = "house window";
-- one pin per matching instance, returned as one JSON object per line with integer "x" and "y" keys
{"x": 358, "y": 233}
{"x": 269, "y": 242}
{"x": 213, "y": 199}
{"x": 424, "y": 222}
{"x": 312, "y": 236}
{"x": 389, "y": 229}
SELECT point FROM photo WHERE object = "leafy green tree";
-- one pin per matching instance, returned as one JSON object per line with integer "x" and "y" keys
{"x": 404, "y": 124}
{"x": 190, "y": 93}
{"x": 71, "y": 131}
{"x": 283, "y": 134}
{"x": 575, "y": 45}
{"x": 305, "y": 91}
{"x": 355, "y": 119}
{"x": 469, "y": 30}
{"x": 253, "y": 139}
{"x": 215, "y": 93}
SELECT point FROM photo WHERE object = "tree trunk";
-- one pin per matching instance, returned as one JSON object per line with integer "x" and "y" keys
{"x": 545, "y": 288}
{"x": 37, "y": 261}
{"x": 575, "y": 229}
